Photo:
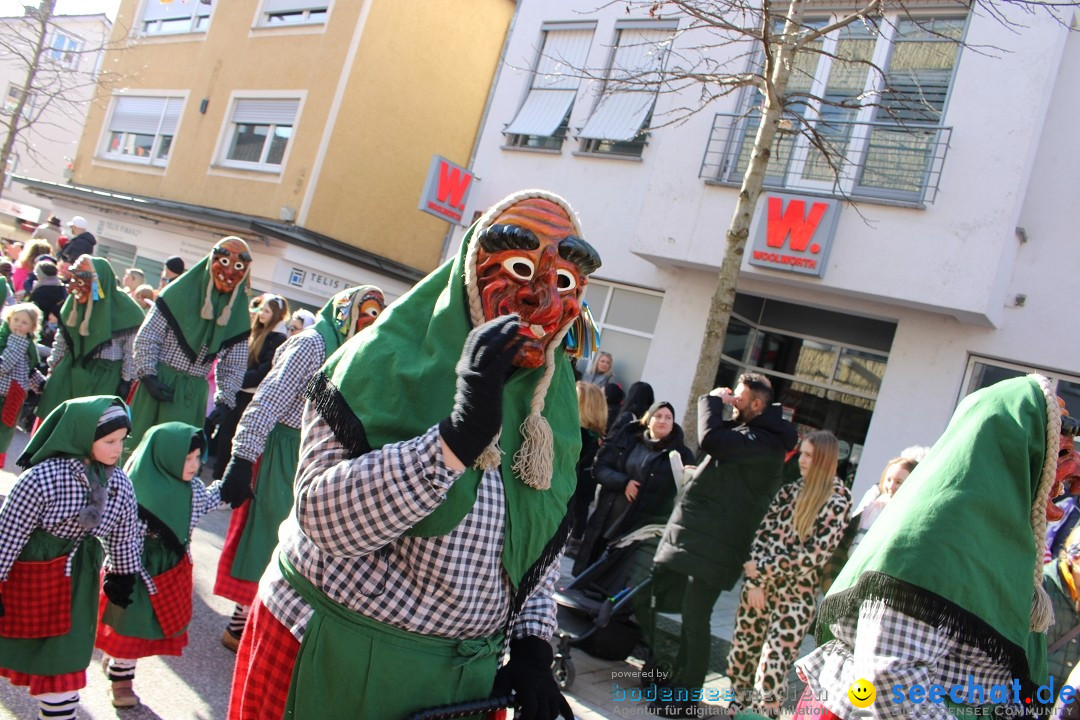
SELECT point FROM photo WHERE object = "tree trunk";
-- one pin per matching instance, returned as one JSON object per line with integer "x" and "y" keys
{"x": 14, "y": 127}
{"x": 723, "y": 298}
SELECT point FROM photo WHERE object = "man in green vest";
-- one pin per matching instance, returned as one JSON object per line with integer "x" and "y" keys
{"x": 436, "y": 463}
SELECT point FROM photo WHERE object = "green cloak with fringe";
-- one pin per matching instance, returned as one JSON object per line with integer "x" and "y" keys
{"x": 955, "y": 547}
{"x": 181, "y": 302}
{"x": 396, "y": 380}
{"x": 156, "y": 470}
{"x": 113, "y": 313}
{"x": 69, "y": 430}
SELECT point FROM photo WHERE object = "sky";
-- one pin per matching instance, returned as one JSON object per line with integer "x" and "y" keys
{"x": 9, "y": 8}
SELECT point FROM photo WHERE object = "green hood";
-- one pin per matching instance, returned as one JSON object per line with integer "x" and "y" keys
{"x": 156, "y": 470}
{"x": 956, "y": 547}
{"x": 181, "y": 302}
{"x": 396, "y": 380}
{"x": 113, "y": 312}
{"x": 68, "y": 431}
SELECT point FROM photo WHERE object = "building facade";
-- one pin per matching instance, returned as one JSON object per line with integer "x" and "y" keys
{"x": 55, "y": 112}
{"x": 953, "y": 267}
{"x": 305, "y": 127}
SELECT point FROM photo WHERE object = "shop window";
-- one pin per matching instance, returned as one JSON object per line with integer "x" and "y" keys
{"x": 169, "y": 17}
{"x": 627, "y": 319}
{"x": 141, "y": 129}
{"x": 544, "y": 117}
{"x": 983, "y": 372}
{"x": 619, "y": 123}
{"x": 259, "y": 133}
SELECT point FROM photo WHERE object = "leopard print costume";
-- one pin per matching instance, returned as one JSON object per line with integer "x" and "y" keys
{"x": 766, "y": 642}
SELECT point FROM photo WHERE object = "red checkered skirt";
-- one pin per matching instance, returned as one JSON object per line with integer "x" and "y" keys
{"x": 172, "y": 608}
{"x": 225, "y": 585}
{"x": 40, "y": 684}
{"x": 37, "y": 596}
{"x": 264, "y": 666}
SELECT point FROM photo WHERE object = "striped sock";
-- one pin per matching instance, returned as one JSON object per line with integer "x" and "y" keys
{"x": 121, "y": 669}
{"x": 57, "y": 706}
{"x": 238, "y": 620}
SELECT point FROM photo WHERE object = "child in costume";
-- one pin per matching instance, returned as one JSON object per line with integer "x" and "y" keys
{"x": 199, "y": 316}
{"x": 436, "y": 466}
{"x": 171, "y": 503}
{"x": 270, "y": 428}
{"x": 799, "y": 532}
{"x": 18, "y": 366}
{"x": 947, "y": 587}
{"x": 93, "y": 353}
{"x": 72, "y": 502}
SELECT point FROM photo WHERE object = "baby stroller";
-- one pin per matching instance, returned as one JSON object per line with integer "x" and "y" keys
{"x": 595, "y": 608}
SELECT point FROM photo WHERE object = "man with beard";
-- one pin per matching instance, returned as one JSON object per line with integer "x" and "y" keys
{"x": 431, "y": 509}
{"x": 199, "y": 317}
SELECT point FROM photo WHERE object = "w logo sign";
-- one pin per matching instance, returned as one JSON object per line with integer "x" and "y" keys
{"x": 445, "y": 190}
{"x": 795, "y": 234}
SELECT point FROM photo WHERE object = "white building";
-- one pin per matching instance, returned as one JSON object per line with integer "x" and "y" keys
{"x": 955, "y": 268}
{"x": 73, "y": 50}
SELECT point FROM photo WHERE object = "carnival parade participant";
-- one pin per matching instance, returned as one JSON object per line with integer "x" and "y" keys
{"x": 200, "y": 316}
{"x": 71, "y": 501}
{"x": 18, "y": 366}
{"x": 93, "y": 353}
{"x": 431, "y": 509}
{"x": 171, "y": 503}
{"x": 947, "y": 586}
{"x": 270, "y": 428}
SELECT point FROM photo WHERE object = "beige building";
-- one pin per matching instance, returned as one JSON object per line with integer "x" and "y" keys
{"x": 306, "y": 127}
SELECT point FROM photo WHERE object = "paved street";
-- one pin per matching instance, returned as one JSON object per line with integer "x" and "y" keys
{"x": 196, "y": 685}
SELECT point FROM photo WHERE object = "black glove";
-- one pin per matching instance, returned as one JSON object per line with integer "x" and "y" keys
{"x": 482, "y": 372}
{"x": 217, "y": 415}
{"x": 156, "y": 389}
{"x": 528, "y": 675}
{"x": 236, "y": 483}
{"x": 124, "y": 389}
{"x": 118, "y": 588}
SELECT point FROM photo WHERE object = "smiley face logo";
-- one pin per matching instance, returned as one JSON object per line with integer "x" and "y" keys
{"x": 861, "y": 693}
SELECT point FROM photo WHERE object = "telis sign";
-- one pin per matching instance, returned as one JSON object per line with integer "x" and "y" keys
{"x": 446, "y": 190}
{"x": 795, "y": 233}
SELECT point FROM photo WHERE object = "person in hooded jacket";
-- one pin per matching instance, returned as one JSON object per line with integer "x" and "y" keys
{"x": 639, "y": 398}
{"x": 638, "y": 488}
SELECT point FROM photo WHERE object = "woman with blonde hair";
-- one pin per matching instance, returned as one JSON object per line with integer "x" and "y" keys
{"x": 794, "y": 541}
{"x": 592, "y": 411}
{"x": 24, "y": 266}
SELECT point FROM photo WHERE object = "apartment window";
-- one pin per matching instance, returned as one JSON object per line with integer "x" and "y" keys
{"x": 11, "y": 101}
{"x": 619, "y": 124}
{"x": 984, "y": 372}
{"x": 891, "y": 149}
{"x": 293, "y": 12}
{"x": 259, "y": 133}
{"x": 169, "y": 17}
{"x": 626, "y": 317}
{"x": 544, "y": 117}
{"x": 141, "y": 129}
{"x": 65, "y": 49}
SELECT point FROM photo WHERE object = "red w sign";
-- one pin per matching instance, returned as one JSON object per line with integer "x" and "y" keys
{"x": 445, "y": 190}
{"x": 804, "y": 225}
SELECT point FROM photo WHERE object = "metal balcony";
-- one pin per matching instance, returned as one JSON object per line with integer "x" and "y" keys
{"x": 869, "y": 161}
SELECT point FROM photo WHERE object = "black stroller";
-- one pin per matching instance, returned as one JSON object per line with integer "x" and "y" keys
{"x": 595, "y": 609}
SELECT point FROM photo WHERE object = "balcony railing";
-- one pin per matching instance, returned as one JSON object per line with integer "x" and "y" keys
{"x": 874, "y": 161}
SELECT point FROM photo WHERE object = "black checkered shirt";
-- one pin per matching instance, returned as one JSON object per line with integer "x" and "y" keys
{"x": 121, "y": 347}
{"x": 346, "y": 537}
{"x": 15, "y": 365}
{"x": 889, "y": 648}
{"x": 156, "y": 343}
{"x": 203, "y": 500}
{"x": 280, "y": 396}
{"x": 50, "y": 495}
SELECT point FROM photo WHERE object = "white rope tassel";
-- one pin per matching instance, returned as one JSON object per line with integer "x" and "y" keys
{"x": 491, "y": 457}
{"x": 84, "y": 326}
{"x": 534, "y": 461}
{"x": 207, "y": 312}
{"x": 1042, "y": 611}
{"x": 223, "y": 319}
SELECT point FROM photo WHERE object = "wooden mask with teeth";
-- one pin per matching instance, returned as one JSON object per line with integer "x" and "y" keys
{"x": 530, "y": 262}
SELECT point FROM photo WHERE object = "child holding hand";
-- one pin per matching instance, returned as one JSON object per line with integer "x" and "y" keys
{"x": 18, "y": 366}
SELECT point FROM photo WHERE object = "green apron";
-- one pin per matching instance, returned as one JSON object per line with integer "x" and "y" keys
{"x": 352, "y": 666}
{"x": 6, "y": 433}
{"x": 64, "y": 653}
{"x": 138, "y": 619}
{"x": 70, "y": 379}
{"x": 188, "y": 404}
{"x": 271, "y": 504}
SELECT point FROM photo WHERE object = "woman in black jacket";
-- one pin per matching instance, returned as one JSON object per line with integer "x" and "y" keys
{"x": 633, "y": 469}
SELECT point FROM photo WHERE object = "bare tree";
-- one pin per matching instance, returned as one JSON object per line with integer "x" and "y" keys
{"x": 770, "y": 50}
{"x": 58, "y": 79}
